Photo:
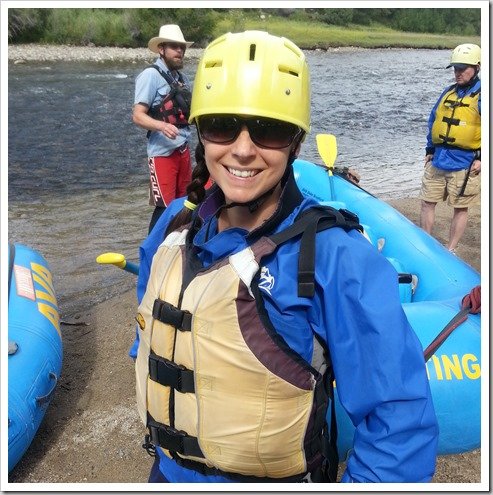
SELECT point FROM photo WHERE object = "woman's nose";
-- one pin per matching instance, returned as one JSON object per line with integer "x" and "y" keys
{"x": 243, "y": 146}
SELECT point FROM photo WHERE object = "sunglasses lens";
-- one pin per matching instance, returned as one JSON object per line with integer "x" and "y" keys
{"x": 219, "y": 129}
{"x": 266, "y": 133}
{"x": 272, "y": 134}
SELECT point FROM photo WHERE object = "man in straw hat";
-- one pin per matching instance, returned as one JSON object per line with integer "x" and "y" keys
{"x": 162, "y": 106}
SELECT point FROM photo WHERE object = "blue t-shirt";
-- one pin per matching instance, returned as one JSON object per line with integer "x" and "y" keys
{"x": 150, "y": 89}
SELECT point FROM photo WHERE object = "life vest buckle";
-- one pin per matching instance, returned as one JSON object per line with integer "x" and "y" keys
{"x": 171, "y": 315}
{"x": 171, "y": 374}
{"x": 174, "y": 440}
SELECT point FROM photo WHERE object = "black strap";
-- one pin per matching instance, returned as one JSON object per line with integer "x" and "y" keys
{"x": 170, "y": 374}
{"x": 328, "y": 470}
{"x": 309, "y": 223}
{"x": 451, "y": 121}
{"x": 468, "y": 173}
{"x": 456, "y": 103}
{"x": 331, "y": 453}
{"x": 173, "y": 440}
{"x": 446, "y": 139}
{"x": 171, "y": 315}
{"x": 243, "y": 478}
{"x": 11, "y": 264}
{"x": 169, "y": 79}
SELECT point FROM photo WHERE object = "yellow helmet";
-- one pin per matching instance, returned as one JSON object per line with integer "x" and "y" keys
{"x": 466, "y": 54}
{"x": 253, "y": 73}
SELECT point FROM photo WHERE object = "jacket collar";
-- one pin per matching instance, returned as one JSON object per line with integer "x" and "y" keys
{"x": 290, "y": 198}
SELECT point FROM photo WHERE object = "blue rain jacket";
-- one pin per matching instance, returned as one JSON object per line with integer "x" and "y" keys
{"x": 448, "y": 157}
{"x": 377, "y": 358}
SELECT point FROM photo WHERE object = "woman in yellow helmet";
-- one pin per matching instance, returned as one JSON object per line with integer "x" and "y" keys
{"x": 253, "y": 299}
{"x": 453, "y": 148}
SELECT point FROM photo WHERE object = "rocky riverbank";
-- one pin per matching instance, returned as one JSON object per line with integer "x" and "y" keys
{"x": 24, "y": 53}
{"x": 66, "y": 53}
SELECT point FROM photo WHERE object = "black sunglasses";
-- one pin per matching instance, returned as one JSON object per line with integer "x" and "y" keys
{"x": 175, "y": 46}
{"x": 266, "y": 133}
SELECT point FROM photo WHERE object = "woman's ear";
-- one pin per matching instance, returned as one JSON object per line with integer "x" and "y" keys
{"x": 297, "y": 150}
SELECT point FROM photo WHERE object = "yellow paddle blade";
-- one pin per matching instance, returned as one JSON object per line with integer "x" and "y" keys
{"x": 327, "y": 148}
{"x": 116, "y": 259}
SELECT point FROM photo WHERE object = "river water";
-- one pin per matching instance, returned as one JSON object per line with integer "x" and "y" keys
{"x": 77, "y": 173}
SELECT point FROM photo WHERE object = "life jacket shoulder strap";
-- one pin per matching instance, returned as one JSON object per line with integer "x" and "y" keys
{"x": 307, "y": 225}
{"x": 169, "y": 79}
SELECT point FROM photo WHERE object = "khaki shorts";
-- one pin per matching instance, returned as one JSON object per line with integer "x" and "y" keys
{"x": 440, "y": 185}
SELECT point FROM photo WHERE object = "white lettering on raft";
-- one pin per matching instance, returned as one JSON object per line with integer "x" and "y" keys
{"x": 454, "y": 367}
{"x": 46, "y": 292}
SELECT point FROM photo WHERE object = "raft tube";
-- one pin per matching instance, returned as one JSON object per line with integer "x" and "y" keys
{"x": 34, "y": 346}
{"x": 439, "y": 282}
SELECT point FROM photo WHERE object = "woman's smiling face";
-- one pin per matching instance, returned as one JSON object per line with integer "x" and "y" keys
{"x": 243, "y": 170}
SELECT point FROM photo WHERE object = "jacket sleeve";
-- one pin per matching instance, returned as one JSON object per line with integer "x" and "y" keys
{"x": 379, "y": 368}
{"x": 146, "y": 252}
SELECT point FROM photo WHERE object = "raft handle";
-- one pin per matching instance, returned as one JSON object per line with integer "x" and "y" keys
{"x": 43, "y": 399}
{"x": 408, "y": 278}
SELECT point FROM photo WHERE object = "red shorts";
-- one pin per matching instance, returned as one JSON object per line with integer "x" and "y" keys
{"x": 169, "y": 177}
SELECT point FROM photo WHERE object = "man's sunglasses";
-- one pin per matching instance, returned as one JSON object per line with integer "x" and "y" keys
{"x": 174, "y": 46}
{"x": 266, "y": 133}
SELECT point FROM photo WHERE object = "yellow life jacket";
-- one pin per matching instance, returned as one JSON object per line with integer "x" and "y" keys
{"x": 457, "y": 121}
{"x": 216, "y": 385}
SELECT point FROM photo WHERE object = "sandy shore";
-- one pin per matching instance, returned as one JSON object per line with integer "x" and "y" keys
{"x": 92, "y": 433}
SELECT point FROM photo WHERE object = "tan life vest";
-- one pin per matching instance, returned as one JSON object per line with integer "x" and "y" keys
{"x": 251, "y": 406}
{"x": 217, "y": 386}
{"x": 457, "y": 121}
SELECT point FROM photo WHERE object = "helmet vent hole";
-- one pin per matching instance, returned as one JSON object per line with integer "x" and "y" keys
{"x": 213, "y": 63}
{"x": 252, "y": 52}
{"x": 288, "y": 70}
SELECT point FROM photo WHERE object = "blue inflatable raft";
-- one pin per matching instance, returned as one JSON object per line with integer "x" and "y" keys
{"x": 34, "y": 346}
{"x": 437, "y": 282}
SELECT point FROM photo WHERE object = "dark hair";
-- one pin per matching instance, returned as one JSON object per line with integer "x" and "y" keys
{"x": 195, "y": 190}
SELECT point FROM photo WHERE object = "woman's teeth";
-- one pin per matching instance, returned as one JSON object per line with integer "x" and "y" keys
{"x": 242, "y": 173}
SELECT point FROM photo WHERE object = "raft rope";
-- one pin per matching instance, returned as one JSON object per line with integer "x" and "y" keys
{"x": 471, "y": 303}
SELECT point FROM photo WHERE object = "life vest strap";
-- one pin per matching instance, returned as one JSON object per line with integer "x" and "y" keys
{"x": 455, "y": 103}
{"x": 212, "y": 471}
{"x": 171, "y": 315}
{"x": 173, "y": 440}
{"x": 307, "y": 225}
{"x": 446, "y": 139}
{"x": 451, "y": 121}
{"x": 167, "y": 373}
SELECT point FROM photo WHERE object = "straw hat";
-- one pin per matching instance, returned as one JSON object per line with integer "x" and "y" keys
{"x": 168, "y": 33}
